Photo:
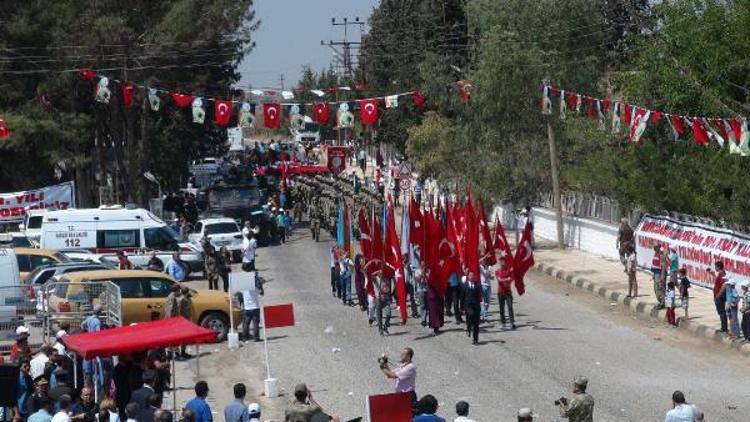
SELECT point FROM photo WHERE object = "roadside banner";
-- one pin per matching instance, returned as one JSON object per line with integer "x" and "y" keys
{"x": 698, "y": 247}
{"x": 394, "y": 407}
{"x": 13, "y": 205}
{"x": 276, "y": 316}
{"x": 336, "y": 159}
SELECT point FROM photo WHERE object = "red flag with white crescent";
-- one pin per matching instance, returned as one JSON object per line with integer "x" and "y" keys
{"x": 416, "y": 229}
{"x": 365, "y": 237}
{"x": 487, "y": 249}
{"x": 393, "y": 261}
{"x": 501, "y": 244}
{"x": 271, "y": 115}
{"x": 524, "y": 258}
{"x": 368, "y": 111}
{"x": 320, "y": 111}
{"x": 182, "y": 100}
{"x": 222, "y": 112}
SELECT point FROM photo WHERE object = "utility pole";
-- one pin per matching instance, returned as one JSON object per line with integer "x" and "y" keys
{"x": 344, "y": 57}
{"x": 281, "y": 77}
{"x": 556, "y": 194}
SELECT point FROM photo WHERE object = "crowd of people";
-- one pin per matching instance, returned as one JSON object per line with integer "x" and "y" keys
{"x": 670, "y": 283}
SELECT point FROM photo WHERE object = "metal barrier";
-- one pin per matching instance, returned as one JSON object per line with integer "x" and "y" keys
{"x": 66, "y": 302}
{"x": 587, "y": 205}
{"x": 18, "y": 306}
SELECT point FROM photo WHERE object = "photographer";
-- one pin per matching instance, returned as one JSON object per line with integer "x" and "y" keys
{"x": 304, "y": 408}
{"x": 581, "y": 407}
{"x": 405, "y": 374}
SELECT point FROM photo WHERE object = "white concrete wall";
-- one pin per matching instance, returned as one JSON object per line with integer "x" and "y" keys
{"x": 589, "y": 235}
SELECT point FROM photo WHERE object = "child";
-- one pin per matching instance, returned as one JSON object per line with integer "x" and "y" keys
{"x": 630, "y": 266}
{"x": 684, "y": 286}
{"x": 669, "y": 300}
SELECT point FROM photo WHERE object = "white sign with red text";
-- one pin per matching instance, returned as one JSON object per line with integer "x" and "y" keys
{"x": 698, "y": 247}
{"x": 13, "y": 206}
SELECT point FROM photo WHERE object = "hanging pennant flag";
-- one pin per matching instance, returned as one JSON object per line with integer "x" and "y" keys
{"x": 318, "y": 92}
{"x": 368, "y": 111}
{"x": 269, "y": 92}
{"x": 391, "y": 101}
{"x": 199, "y": 114}
{"x": 271, "y": 115}
{"x": 627, "y": 113}
{"x": 418, "y": 99}
{"x": 181, "y": 100}
{"x": 4, "y": 130}
{"x": 713, "y": 133}
{"x": 700, "y": 134}
{"x": 222, "y": 112}
{"x": 605, "y": 105}
{"x": 87, "y": 74}
{"x": 678, "y": 128}
{"x": 744, "y": 138}
{"x": 572, "y": 101}
{"x": 616, "y": 123}
{"x": 736, "y": 128}
{"x": 465, "y": 89}
{"x": 296, "y": 120}
{"x": 563, "y": 105}
{"x": 287, "y": 95}
{"x": 102, "y": 94}
{"x": 344, "y": 117}
{"x": 640, "y": 120}
{"x": 128, "y": 90}
{"x": 734, "y": 145}
{"x": 321, "y": 113}
{"x": 153, "y": 99}
{"x": 246, "y": 117}
{"x": 600, "y": 114}
{"x": 591, "y": 107}
{"x": 546, "y": 101}
{"x": 579, "y": 100}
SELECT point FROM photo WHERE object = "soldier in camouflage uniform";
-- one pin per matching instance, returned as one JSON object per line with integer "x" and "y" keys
{"x": 581, "y": 407}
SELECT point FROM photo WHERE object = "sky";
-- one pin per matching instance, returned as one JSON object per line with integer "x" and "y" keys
{"x": 289, "y": 38}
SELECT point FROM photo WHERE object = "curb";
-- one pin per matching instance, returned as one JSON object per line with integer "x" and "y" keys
{"x": 642, "y": 307}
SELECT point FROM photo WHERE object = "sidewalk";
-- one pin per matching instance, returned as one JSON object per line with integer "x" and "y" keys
{"x": 607, "y": 278}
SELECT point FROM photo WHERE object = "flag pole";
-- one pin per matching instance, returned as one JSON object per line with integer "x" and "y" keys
{"x": 265, "y": 341}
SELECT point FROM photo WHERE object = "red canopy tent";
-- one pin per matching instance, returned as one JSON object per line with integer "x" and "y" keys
{"x": 142, "y": 336}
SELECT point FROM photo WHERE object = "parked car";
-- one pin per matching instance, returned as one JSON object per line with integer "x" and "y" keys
{"x": 15, "y": 240}
{"x": 13, "y": 295}
{"x": 41, "y": 274}
{"x": 221, "y": 232}
{"x": 144, "y": 295}
{"x": 30, "y": 258}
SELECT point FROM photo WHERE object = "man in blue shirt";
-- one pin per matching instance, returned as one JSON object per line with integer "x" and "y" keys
{"x": 44, "y": 412}
{"x": 198, "y": 405}
{"x": 176, "y": 268}
{"x": 236, "y": 411}
{"x": 426, "y": 409}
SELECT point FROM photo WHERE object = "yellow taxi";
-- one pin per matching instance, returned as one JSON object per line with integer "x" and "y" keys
{"x": 30, "y": 258}
{"x": 143, "y": 296}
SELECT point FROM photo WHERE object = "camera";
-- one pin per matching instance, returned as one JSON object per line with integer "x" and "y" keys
{"x": 562, "y": 400}
{"x": 383, "y": 359}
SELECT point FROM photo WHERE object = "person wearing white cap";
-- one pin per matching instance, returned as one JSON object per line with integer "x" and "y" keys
{"x": 525, "y": 415}
{"x": 253, "y": 411}
{"x": 59, "y": 346}
{"x": 21, "y": 349}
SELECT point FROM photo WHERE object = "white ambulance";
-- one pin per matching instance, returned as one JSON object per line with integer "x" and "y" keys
{"x": 109, "y": 229}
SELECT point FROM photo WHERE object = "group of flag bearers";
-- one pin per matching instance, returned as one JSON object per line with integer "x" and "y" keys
{"x": 447, "y": 254}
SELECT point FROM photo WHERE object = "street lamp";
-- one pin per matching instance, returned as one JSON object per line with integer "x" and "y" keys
{"x": 151, "y": 178}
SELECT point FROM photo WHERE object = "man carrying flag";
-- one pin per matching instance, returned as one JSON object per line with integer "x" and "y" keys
{"x": 524, "y": 258}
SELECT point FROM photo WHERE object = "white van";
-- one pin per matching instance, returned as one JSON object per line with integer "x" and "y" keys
{"x": 107, "y": 230}
{"x": 12, "y": 294}
{"x": 32, "y": 223}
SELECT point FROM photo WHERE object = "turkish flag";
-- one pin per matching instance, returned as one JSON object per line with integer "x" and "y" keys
{"x": 375, "y": 260}
{"x": 393, "y": 260}
{"x": 278, "y": 316}
{"x": 440, "y": 255}
{"x": 87, "y": 74}
{"x": 321, "y": 113}
{"x": 222, "y": 112}
{"x": 365, "y": 236}
{"x": 4, "y": 130}
{"x": 182, "y": 100}
{"x": 524, "y": 258}
{"x": 501, "y": 244}
{"x": 368, "y": 111}
{"x": 271, "y": 115}
{"x": 471, "y": 254}
{"x": 487, "y": 248}
{"x": 128, "y": 89}
{"x": 627, "y": 116}
{"x": 677, "y": 124}
{"x": 418, "y": 99}
{"x": 416, "y": 228}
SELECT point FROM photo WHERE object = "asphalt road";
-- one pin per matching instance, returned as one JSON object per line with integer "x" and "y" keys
{"x": 633, "y": 366}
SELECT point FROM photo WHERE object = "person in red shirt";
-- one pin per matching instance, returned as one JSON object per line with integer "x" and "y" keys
{"x": 20, "y": 349}
{"x": 504, "y": 277}
{"x": 720, "y": 277}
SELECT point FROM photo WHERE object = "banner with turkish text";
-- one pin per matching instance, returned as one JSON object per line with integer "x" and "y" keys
{"x": 13, "y": 205}
{"x": 336, "y": 159}
{"x": 698, "y": 247}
